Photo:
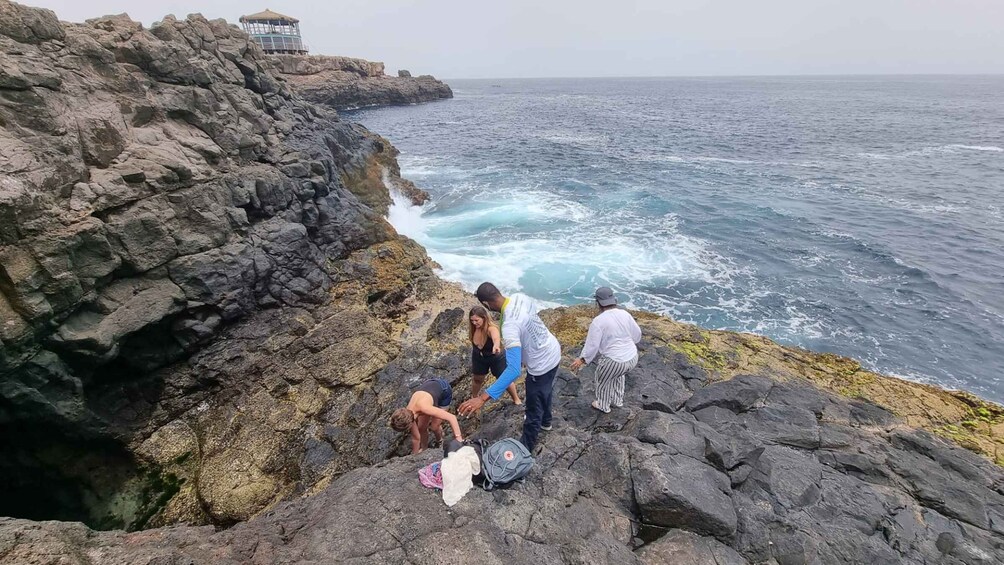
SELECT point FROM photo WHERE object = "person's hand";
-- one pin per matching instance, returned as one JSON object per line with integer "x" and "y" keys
{"x": 578, "y": 364}
{"x": 496, "y": 349}
{"x": 470, "y": 406}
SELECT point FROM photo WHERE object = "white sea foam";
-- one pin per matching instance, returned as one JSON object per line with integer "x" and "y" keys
{"x": 993, "y": 148}
{"x": 575, "y": 139}
{"x": 699, "y": 160}
{"x": 422, "y": 167}
{"x": 879, "y": 156}
{"x": 932, "y": 150}
{"x": 576, "y": 249}
{"x": 406, "y": 218}
{"x": 689, "y": 159}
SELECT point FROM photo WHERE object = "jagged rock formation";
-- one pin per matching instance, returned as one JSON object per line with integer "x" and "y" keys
{"x": 344, "y": 82}
{"x": 753, "y": 469}
{"x": 161, "y": 192}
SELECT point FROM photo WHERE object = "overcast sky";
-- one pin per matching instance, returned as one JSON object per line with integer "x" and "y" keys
{"x": 588, "y": 38}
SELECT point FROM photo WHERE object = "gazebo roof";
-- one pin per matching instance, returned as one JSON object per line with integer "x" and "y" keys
{"x": 268, "y": 16}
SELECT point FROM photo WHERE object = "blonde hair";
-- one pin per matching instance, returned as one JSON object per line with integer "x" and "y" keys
{"x": 480, "y": 312}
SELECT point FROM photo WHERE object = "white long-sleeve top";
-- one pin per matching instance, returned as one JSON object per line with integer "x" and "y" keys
{"x": 613, "y": 333}
{"x": 523, "y": 328}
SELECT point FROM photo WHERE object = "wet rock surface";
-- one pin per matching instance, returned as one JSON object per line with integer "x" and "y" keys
{"x": 344, "y": 83}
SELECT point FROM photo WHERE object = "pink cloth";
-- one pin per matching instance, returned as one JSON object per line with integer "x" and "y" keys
{"x": 431, "y": 476}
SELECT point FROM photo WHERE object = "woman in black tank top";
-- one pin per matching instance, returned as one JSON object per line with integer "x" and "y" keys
{"x": 486, "y": 351}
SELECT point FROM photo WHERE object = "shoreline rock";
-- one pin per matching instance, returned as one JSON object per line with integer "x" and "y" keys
{"x": 958, "y": 416}
{"x": 345, "y": 83}
{"x": 750, "y": 469}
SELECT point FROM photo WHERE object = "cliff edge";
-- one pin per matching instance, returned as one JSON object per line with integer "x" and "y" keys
{"x": 344, "y": 83}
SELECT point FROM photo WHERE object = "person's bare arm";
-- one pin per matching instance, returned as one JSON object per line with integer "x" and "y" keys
{"x": 496, "y": 340}
{"x": 444, "y": 415}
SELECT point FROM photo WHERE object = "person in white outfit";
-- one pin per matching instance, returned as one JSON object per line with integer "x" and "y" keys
{"x": 612, "y": 342}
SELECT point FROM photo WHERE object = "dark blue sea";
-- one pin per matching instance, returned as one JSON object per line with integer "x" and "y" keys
{"x": 856, "y": 215}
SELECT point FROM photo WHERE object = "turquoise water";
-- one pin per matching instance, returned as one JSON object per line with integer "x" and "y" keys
{"x": 861, "y": 216}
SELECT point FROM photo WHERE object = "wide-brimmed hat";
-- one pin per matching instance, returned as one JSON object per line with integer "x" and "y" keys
{"x": 605, "y": 297}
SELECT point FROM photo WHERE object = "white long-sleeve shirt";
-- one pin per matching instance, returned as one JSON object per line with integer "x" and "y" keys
{"x": 527, "y": 341}
{"x": 522, "y": 327}
{"x": 613, "y": 333}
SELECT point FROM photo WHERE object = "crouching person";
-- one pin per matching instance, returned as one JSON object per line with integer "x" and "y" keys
{"x": 426, "y": 410}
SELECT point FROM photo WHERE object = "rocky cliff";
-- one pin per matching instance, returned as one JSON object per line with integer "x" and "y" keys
{"x": 192, "y": 259}
{"x": 205, "y": 322}
{"x": 343, "y": 82}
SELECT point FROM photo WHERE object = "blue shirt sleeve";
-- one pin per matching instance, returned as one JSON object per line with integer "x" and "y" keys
{"x": 514, "y": 362}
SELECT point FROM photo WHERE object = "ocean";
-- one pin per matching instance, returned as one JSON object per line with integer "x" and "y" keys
{"x": 856, "y": 215}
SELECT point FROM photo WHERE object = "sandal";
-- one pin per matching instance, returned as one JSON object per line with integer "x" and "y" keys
{"x": 596, "y": 405}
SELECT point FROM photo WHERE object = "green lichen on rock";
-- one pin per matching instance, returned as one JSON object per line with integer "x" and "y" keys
{"x": 699, "y": 352}
{"x": 980, "y": 431}
{"x": 849, "y": 379}
{"x": 160, "y": 487}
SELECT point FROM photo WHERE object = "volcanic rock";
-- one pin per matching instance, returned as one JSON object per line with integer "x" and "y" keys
{"x": 177, "y": 225}
{"x": 345, "y": 83}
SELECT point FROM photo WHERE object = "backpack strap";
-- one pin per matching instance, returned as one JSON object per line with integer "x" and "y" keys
{"x": 486, "y": 483}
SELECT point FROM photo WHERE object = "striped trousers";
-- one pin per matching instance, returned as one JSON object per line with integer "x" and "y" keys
{"x": 609, "y": 379}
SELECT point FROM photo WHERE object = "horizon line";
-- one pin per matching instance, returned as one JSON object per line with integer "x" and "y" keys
{"x": 807, "y": 75}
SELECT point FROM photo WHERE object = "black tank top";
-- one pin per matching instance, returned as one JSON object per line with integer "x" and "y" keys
{"x": 486, "y": 349}
{"x": 432, "y": 387}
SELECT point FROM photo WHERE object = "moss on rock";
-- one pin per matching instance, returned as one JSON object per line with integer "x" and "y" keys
{"x": 971, "y": 422}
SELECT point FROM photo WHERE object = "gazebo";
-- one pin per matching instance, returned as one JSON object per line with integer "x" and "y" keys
{"x": 275, "y": 33}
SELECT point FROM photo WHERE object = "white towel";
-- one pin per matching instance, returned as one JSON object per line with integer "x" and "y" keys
{"x": 457, "y": 470}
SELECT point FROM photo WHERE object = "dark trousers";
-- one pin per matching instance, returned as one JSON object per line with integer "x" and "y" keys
{"x": 538, "y": 406}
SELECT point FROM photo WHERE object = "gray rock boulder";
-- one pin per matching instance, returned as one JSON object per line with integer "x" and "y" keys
{"x": 738, "y": 394}
{"x": 676, "y": 491}
{"x": 679, "y": 546}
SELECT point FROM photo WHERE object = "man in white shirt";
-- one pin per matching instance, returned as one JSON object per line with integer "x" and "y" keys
{"x": 528, "y": 343}
{"x": 613, "y": 335}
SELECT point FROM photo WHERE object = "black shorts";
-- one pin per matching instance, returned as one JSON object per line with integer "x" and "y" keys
{"x": 480, "y": 365}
